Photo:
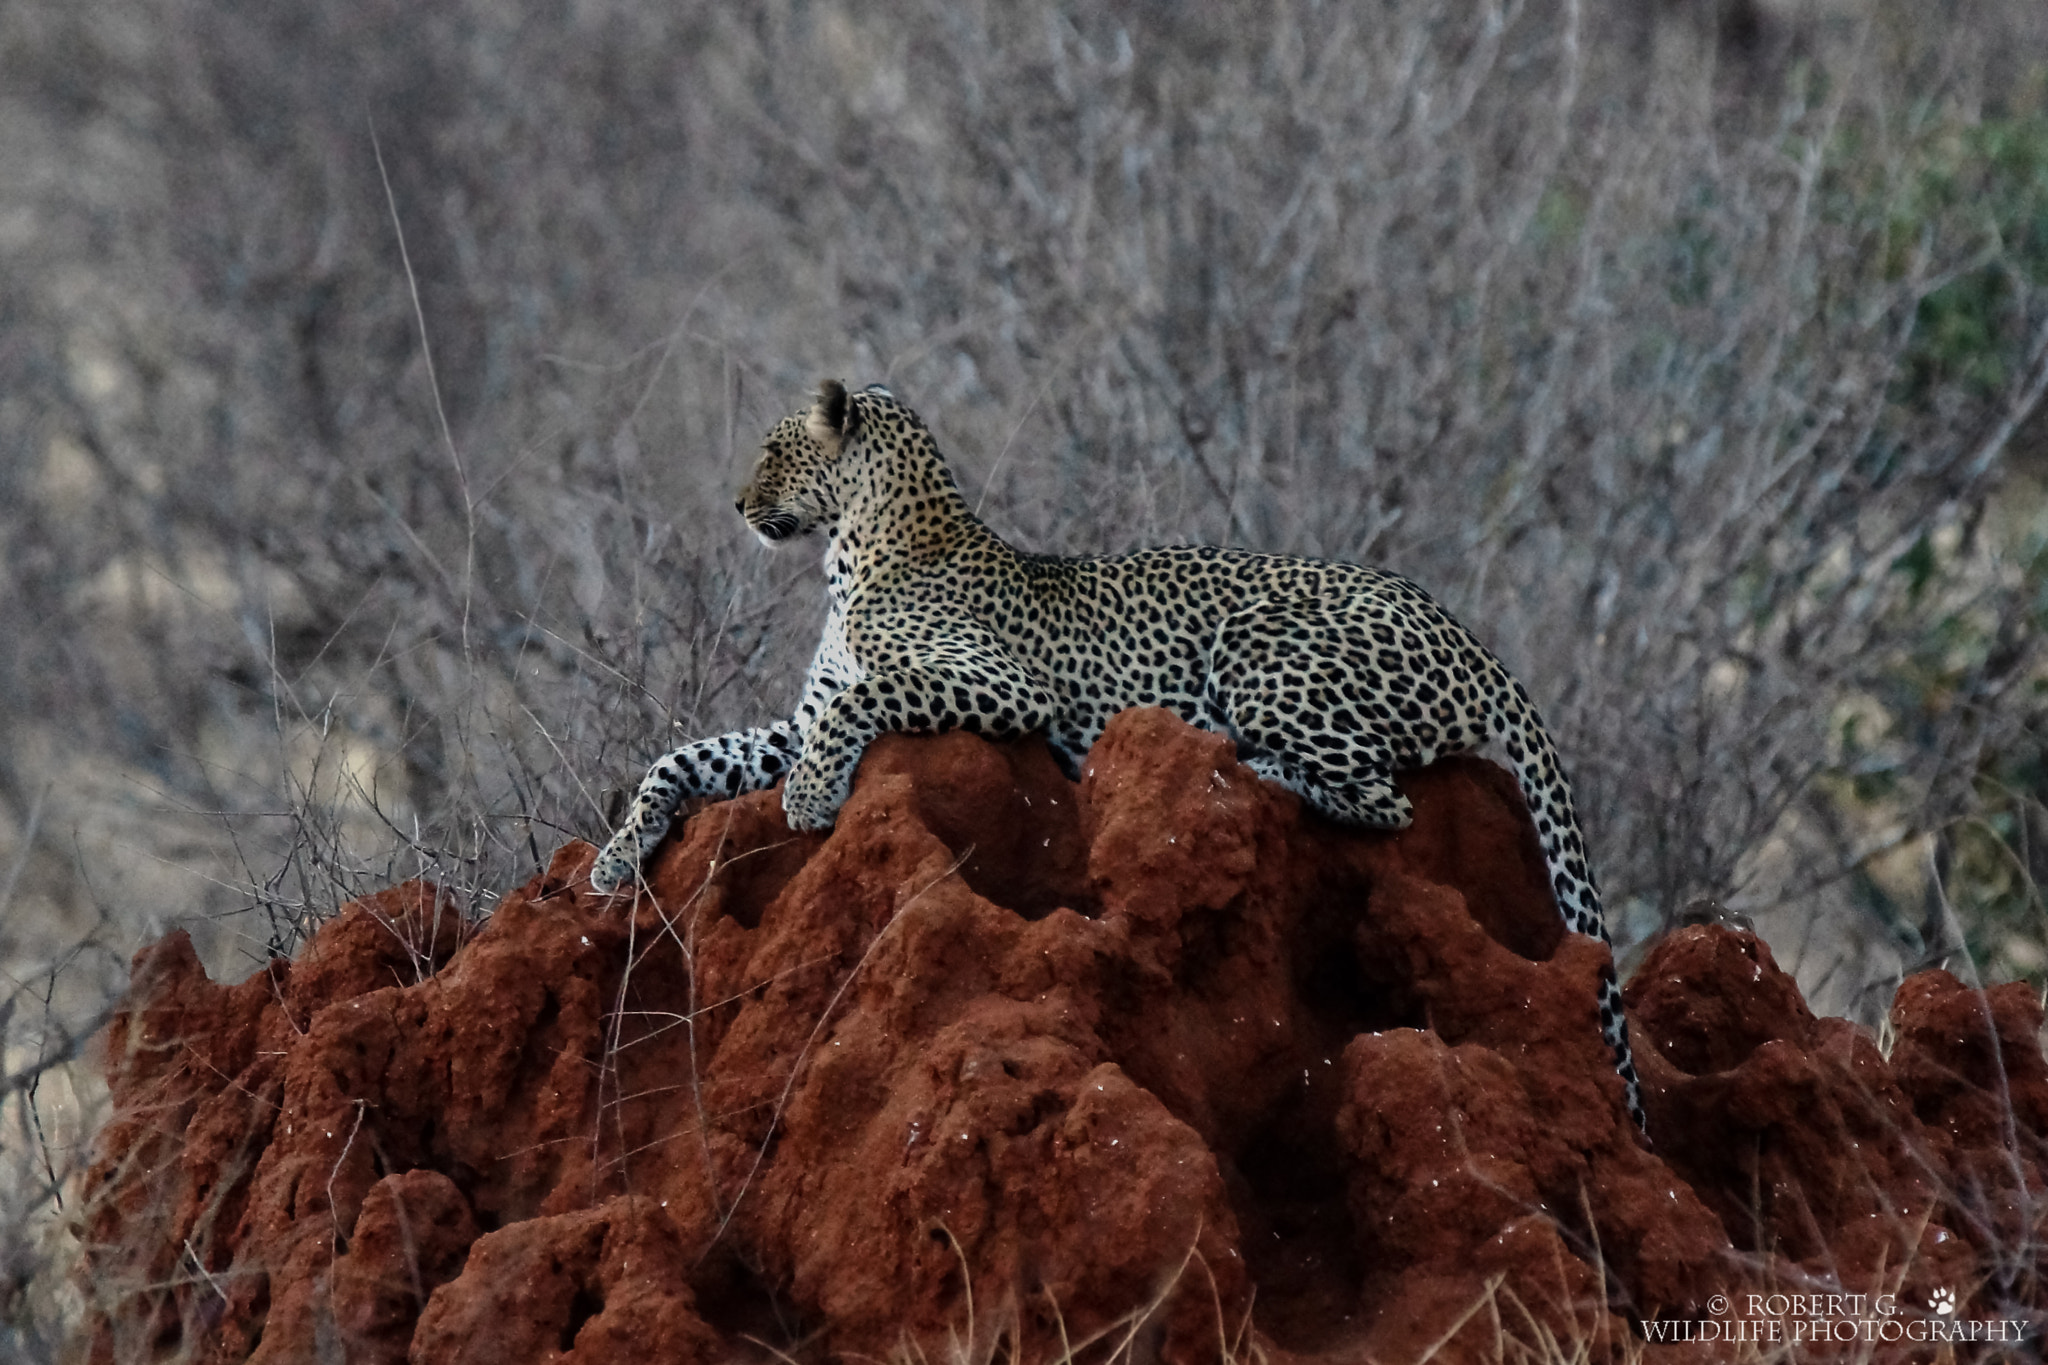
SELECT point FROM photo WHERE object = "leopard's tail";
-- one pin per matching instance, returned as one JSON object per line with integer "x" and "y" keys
{"x": 1549, "y": 794}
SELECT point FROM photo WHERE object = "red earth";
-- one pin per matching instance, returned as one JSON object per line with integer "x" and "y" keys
{"x": 1009, "y": 1066}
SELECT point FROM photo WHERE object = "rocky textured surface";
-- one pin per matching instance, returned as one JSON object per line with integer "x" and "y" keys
{"x": 1152, "y": 1062}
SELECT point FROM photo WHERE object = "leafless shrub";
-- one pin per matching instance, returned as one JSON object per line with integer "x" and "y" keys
{"x": 50, "y": 1105}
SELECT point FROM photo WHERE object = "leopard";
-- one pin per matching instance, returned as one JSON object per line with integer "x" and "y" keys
{"x": 1330, "y": 677}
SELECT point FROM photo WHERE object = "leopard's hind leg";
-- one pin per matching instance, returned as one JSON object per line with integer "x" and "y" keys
{"x": 1363, "y": 795}
{"x": 1301, "y": 688}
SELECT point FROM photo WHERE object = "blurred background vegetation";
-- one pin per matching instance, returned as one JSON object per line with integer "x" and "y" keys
{"x": 374, "y": 377}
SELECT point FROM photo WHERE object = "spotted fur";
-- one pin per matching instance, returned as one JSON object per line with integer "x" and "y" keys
{"x": 1330, "y": 677}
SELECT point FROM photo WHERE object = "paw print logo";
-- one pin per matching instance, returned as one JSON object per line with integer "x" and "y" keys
{"x": 1942, "y": 1301}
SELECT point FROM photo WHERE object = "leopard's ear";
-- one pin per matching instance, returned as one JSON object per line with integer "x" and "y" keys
{"x": 832, "y": 417}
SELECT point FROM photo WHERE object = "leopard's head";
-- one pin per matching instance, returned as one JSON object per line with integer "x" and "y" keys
{"x": 799, "y": 481}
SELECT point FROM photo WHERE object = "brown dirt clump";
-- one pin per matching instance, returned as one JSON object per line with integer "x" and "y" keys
{"x": 1151, "y": 1061}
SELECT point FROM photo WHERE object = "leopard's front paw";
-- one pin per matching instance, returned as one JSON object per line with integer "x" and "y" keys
{"x": 616, "y": 866}
{"x": 812, "y": 797}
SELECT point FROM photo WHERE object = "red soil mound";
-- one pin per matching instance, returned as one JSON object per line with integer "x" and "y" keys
{"x": 1151, "y": 1061}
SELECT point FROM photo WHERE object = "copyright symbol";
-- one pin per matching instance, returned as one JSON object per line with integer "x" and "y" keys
{"x": 1718, "y": 1305}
